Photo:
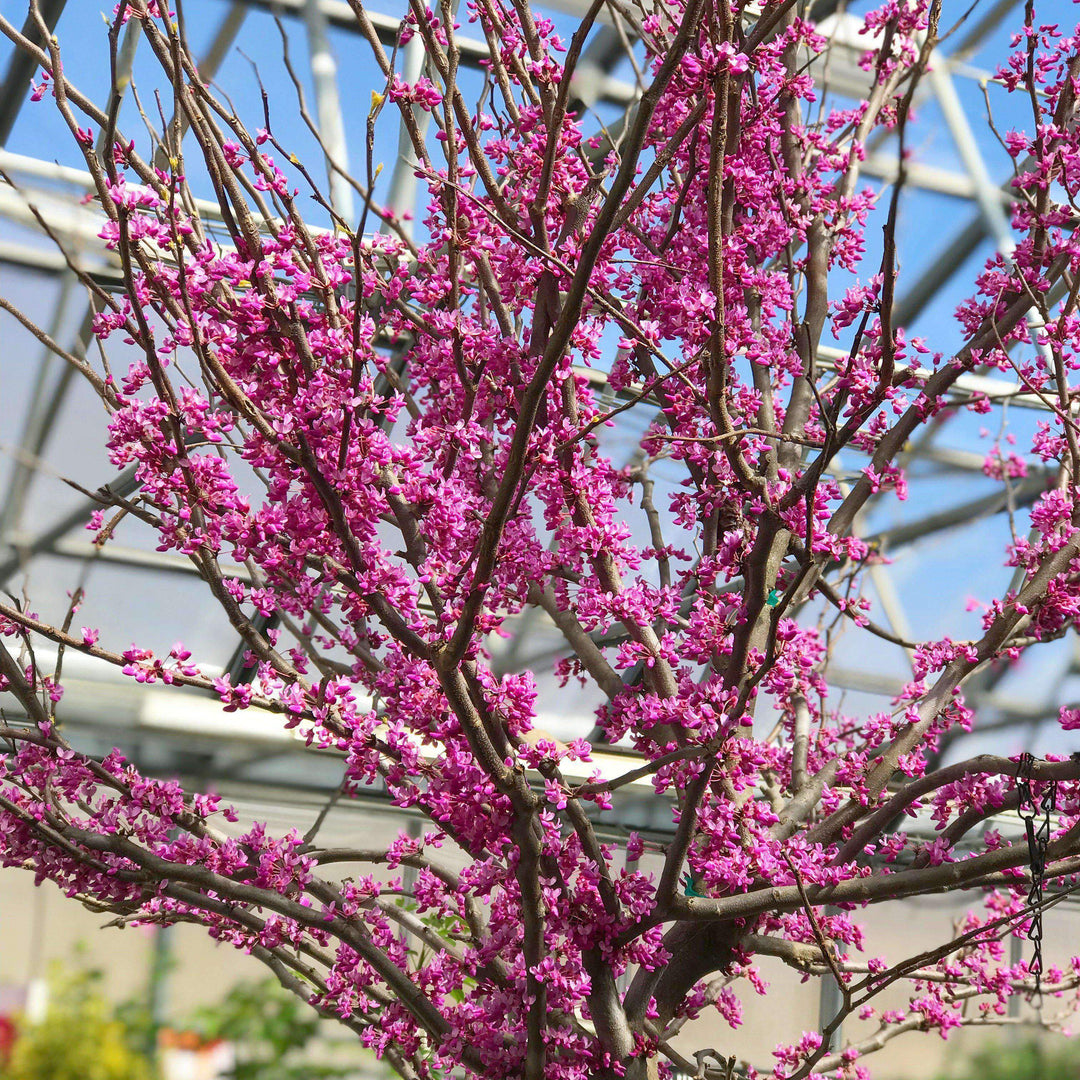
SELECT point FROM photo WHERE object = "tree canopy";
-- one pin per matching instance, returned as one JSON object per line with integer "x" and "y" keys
{"x": 397, "y": 438}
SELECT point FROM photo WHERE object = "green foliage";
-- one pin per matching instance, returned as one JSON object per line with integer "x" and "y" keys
{"x": 268, "y": 1027}
{"x": 81, "y": 1037}
{"x": 1033, "y": 1059}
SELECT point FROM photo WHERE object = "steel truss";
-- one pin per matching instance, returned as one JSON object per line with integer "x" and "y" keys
{"x": 36, "y": 185}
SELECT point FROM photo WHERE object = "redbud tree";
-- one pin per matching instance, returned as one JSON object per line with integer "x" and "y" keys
{"x": 398, "y": 432}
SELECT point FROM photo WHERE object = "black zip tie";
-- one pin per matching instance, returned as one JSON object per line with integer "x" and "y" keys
{"x": 1038, "y": 837}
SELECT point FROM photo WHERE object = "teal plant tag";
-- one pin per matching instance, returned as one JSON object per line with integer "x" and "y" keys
{"x": 688, "y": 887}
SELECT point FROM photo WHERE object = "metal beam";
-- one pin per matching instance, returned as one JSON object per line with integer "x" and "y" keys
{"x": 20, "y": 70}
{"x": 158, "y": 562}
{"x": 124, "y": 485}
{"x": 1023, "y": 493}
{"x": 328, "y": 105}
{"x": 990, "y": 21}
{"x": 44, "y": 408}
{"x": 339, "y": 14}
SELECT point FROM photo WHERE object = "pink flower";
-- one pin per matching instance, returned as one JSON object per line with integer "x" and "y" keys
{"x": 1069, "y": 718}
